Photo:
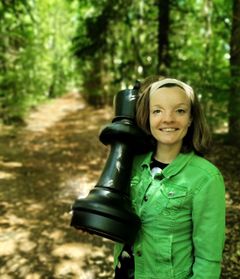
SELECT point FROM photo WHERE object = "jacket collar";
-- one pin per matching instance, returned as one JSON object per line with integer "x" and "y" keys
{"x": 174, "y": 167}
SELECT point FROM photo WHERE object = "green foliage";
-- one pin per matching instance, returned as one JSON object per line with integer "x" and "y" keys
{"x": 200, "y": 54}
{"x": 93, "y": 46}
{"x": 35, "y": 53}
{"x": 125, "y": 43}
{"x": 114, "y": 42}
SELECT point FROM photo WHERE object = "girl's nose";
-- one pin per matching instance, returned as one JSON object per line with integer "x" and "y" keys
{"x": 168, "y": 117}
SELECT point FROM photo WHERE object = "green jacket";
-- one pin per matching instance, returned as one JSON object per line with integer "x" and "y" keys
{"x": 182, "y": 211}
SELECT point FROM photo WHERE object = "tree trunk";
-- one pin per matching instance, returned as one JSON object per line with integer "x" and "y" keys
{"x": 234, "y": 96}
{"x": 93, "y": 82}
{"x": 163, "y": 34}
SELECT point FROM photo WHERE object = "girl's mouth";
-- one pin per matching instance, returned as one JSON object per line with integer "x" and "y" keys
{"x": 168, "y": 129}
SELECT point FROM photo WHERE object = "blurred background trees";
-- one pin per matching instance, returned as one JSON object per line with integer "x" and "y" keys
{"x": 35, "y": 61}
{"x": 49, "y": 47}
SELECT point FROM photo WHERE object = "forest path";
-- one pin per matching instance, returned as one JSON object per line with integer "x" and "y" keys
{"x": 44, "y": 166}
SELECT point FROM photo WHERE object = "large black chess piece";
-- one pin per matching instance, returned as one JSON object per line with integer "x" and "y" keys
{"x": 107, "y": 210}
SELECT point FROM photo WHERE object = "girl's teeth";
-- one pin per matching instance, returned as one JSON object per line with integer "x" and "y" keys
{"x": 168, "y": 129}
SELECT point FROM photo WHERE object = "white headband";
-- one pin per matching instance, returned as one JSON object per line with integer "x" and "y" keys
{"x": 188, "y": 89}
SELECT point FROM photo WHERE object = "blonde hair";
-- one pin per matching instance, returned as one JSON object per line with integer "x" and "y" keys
{"x": 198, "y": 136}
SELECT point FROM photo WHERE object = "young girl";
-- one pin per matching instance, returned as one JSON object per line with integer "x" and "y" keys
{"x": 178, "y": 195}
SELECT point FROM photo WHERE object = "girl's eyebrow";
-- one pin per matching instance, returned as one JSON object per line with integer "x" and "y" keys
{"x": 180, "y": 104}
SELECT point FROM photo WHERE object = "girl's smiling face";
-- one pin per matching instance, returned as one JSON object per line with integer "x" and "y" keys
{"x": 170, "y": 115}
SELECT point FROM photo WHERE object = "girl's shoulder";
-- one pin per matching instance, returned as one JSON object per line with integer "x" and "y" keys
{"x": 204, "y": 164}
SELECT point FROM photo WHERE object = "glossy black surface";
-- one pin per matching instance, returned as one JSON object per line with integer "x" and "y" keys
{"x": 107, "y": 210}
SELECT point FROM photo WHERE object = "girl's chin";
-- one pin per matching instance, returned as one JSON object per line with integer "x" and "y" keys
{"x": 169, "y": 143}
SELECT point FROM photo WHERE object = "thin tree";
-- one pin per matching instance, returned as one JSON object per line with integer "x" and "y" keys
{"x": 234, "y": 96}
{"x": 163, "y": 36}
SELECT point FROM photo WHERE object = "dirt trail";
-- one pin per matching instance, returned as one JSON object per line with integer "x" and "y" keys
{"x": 43, "y": 168}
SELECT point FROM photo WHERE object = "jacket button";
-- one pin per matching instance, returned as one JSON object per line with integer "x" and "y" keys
{"x": 171, "y": 194}
{"x": 139, "y": 253}
{"x": 145, "y": 198}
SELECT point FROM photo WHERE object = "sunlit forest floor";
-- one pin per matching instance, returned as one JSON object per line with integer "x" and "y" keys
{"x": 50, "y": 161}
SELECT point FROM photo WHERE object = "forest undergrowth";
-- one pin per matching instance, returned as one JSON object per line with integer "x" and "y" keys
{"x": 48, "y": 163}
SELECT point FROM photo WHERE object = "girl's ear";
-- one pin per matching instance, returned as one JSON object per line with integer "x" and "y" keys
{"x": 190, "y": 122}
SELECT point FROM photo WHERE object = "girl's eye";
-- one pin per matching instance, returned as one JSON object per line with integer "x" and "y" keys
{"x": 156, "y": 111}
{"x": 181, "y": 111}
